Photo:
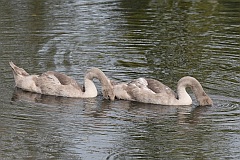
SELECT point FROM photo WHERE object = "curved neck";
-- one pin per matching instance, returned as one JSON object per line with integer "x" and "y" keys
{"x": 96, "y": 73}
{"x": 183, "y": 97}
{"x": 90, "y": 89}
{"x": 107, "y": 88}
{"x": 197, "y": 89}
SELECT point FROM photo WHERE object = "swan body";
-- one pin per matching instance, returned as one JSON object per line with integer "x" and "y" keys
{"x": 58, "y": 84}
{"x": 153, "y": 91}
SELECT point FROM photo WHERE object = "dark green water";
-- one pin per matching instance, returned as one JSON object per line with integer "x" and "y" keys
{"x": 161, "y": 39}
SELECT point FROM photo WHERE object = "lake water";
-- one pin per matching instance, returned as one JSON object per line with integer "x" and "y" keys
{"x": 161, "y": 39}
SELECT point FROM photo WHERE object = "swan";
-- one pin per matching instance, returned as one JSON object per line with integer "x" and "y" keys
{"x": 58, "y": 84}
{"x": 155, "y": 92}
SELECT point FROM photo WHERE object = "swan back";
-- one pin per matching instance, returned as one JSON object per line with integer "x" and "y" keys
{"x": 159, "y": 87}
{"x": 65, "y": 80}
{"x": 146, "y": 91}
{"x": 52, "y": 83}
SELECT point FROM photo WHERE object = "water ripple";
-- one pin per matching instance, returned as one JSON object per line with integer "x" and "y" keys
{"x": 164, "y": 40}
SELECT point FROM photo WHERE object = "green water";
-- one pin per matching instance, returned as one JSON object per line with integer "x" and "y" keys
{"x": 161, "y": 39}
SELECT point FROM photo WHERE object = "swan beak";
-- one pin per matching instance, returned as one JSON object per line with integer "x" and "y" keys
{"x": 109, "y": 94}
{"x": 206, "y": 101}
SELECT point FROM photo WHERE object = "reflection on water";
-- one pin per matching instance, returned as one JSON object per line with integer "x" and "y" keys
{"x": 125, "y": 129}
{"x": 162, "y": 39}
{"x": 20, "y": 95}
{"x": 98, "y": 120}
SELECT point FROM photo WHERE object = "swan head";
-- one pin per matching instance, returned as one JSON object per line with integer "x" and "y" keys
{"x": 108, "y": 94}
{"x": 204, "y": 100}
{"x": 108, "y": 90}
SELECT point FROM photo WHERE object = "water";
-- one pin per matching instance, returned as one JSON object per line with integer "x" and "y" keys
{"x": 163, "y": 39}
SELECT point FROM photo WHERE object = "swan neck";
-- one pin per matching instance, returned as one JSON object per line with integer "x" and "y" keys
{"x": 197, "y": 89}
{"x": 107, "y": 87}
{"x": 97, "y": 73}
{"x": 183, "y": 97}
{"x": 90, "y": 88}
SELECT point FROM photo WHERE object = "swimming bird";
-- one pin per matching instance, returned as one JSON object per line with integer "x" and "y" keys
{"x": 155, "y": 92}
{"x": 59, "y": 84}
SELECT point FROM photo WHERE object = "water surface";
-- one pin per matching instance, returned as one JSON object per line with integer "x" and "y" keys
{"x": 162, "y": 39}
